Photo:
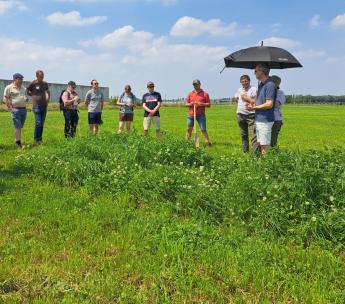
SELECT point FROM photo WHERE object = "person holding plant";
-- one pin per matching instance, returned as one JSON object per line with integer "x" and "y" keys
{"x": 197, "y": 100}
{"x": 71, "y": 101}
{"x": 127, "y": 103}
{"x": 264, "y": 107}
{"x": 245, "y": 118}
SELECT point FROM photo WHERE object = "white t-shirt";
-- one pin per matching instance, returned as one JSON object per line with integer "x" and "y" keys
{"x": 17, "y": 97}
{"x": 241, "y": 106}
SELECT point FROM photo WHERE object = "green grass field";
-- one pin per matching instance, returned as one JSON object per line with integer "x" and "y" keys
{"x": 124, "y": 219}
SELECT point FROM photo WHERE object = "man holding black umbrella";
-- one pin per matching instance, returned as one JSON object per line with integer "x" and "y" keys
{"x": 264, "y": 107}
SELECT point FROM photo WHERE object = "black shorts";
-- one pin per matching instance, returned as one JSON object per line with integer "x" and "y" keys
{"x": 95, "y": 118}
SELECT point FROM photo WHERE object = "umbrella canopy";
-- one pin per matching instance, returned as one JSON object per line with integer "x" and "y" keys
{"x": 275, "y": 58}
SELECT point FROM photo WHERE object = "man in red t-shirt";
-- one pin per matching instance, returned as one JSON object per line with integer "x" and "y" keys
{"x": 200, "y": 99}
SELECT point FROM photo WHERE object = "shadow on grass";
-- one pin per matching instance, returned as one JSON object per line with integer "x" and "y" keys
{"x": 9, "y": 177}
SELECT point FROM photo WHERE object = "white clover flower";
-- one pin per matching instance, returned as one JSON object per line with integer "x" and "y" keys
{"x": 313, "y": 219}
{"x": 307, "y": 203}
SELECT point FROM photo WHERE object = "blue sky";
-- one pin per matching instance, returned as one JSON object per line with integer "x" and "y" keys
{"x": 171, "y": 42}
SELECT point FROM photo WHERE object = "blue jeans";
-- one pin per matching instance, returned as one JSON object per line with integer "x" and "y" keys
{"x": 40, "y": 113}
{"x": 201, "y": 119}
{"x": 18, "y": 117}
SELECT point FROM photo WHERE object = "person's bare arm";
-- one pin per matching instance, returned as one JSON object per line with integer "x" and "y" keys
{"x": 7, "y": 102}
{"x": 119, "y": 103}
{"x": 66, "y": 101}
{"x": 49, "y": 95}
{"x": 146, "y": 108}
{"x": 28, "y": 91}
{"x": 265, "y": 106}
{"x": 247, "y": 98}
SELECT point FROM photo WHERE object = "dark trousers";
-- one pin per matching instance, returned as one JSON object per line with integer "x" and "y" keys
{"x": 40, "y": 113}
{"x": 275, "y": 132}
{"x": 71, "y": 122}
{"x": 246, "y": 122}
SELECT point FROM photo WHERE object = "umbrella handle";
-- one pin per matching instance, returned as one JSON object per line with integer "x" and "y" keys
{"x": 222, "y": 70}
{"x": 194, "y": 119}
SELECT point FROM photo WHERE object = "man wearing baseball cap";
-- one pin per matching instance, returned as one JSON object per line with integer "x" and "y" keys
{"x": 15, "y": 98}
{"x": 70, "y": 100}
{"x": 152, "y": 101}
{"x": 201, "y": 100}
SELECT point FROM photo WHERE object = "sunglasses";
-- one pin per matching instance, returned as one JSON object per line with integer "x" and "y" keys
{"x": 95, "y": 83}
{"x": 150, "y": 87}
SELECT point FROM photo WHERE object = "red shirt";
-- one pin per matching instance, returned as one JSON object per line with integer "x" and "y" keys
{"x": 193, "y": 96}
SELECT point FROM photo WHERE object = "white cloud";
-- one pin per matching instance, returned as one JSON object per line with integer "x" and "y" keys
{"x": 125, "y": 36}
{"x": 193, "y": 27}
{"x": 5, "y": 6}
{"x": 155, "y": 49}
{"x": 284, "y": 43}
{"x": 73, "y": 18}
{"x": 338, "y": 22}
{"x": 314, "y": 22}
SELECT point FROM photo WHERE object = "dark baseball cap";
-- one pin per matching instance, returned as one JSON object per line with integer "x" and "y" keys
{"x": 196, "y": 81}
{"x": 72, "y": 84}
{"x": 17, "y": 76}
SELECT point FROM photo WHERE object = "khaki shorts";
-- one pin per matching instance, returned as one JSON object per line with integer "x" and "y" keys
{"x": 154, "y": 119}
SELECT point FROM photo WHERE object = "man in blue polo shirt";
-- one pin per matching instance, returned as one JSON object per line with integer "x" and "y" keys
{"x": 264, "y": 107}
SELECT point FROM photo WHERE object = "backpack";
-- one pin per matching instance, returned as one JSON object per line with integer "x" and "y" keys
{"x": 61, "y": 104}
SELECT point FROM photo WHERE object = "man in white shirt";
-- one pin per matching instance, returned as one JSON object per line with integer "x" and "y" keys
{"x": 246, "y": 119}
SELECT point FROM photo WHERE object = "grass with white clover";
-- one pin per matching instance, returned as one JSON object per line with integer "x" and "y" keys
{"x": 128, "y": 219}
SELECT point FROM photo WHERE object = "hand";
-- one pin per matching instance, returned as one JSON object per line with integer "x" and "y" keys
{"x": 243, "y": 95}
{"x": 250, "y": 106}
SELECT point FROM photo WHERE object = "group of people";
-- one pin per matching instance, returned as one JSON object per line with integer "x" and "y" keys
{"x": 258, "y": 110}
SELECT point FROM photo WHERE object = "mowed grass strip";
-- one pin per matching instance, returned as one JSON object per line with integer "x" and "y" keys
{"x": 63, "y": 244}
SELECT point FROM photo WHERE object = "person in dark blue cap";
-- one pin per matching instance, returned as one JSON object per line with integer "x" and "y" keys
{"x": 16, "y": 99}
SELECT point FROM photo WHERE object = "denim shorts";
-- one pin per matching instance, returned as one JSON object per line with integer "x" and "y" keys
{"x": 264, "y": 132}
{"x": 201, "y": 119}
{"x": 18, "y": 117}
{"x": 126, "y": 116}
{"x": 95, "y": 118}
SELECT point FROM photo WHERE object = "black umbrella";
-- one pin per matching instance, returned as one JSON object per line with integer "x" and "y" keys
{"x": 275, "y": 58}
